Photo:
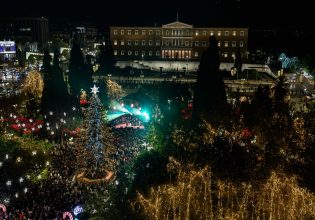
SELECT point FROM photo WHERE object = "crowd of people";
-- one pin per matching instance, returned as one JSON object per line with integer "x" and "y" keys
{"x": 59, "y": 192}
{"x": 127, "y": 121}
{"x": 130, "y": 143}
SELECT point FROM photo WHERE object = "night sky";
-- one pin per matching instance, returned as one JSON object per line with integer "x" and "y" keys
{"x": 250, "y": 13}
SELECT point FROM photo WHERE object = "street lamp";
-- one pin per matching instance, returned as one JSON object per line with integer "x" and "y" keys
{"x": 109, "y": 75}
{"x": 187, "y": 64}
{"x": 142, "y": 76}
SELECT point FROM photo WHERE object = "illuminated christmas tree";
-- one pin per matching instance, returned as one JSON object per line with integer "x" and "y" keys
{"x": 97, "y": 163}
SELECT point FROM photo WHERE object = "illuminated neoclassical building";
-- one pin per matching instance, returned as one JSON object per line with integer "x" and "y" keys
{"x": 175, "y": 41}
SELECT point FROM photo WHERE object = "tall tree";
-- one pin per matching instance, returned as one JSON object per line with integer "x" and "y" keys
{"x": 33, "y": 89}
{"x": 281, "y": 92}
{"x": 210, "y": 97}
{"x": 76, "y": 69}
{"x": 60, "y": 89}
{"x": 96, "y": 163}
{"x": 95, "y": 142}
{"x": 46, "y": 103}
{"x": 86, "y": 78}
{"x": 106, "y": 59}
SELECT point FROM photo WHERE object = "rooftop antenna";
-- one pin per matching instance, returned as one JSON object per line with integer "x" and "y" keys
{"x": 177, "y": 15}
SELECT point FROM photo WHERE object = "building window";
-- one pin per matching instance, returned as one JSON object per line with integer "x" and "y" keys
{"x": 204, "y": 43}
{"x": 129, "y": 32}
{"x": 196, "y": 53}
{"x": 196, "y": 33}
{"x": 136, "y": 53}
{"x": 187, "y": 43}
{"x": 211, "y": 33}
{"x": 219, "y": 33}
{"x": 219, "y": 44}
{"x": 157, "y": 43}
{"x": 226, "y": 33}
{"x": 150, "y": 42}
{"x": 122, "y": 43}
{"x": 129, "y": 52}
{"x": 167, "y": 32}
{"x": 150, "y": 53}
{"x": 143, "y": 32}
{"x": 226, "y": 43}
{"x": 204, "y": 33}
{"x": 122, "y": 52}
{"x": 115, "y": 52}
{"x": 233, "y": 55}
{"x": 242, "y": 33}
{"x": 115, "y": 42}
{"x": 157, "y": 32}
{"x": 225, "y": 55}
{"x": 150, "y": 32}
{"x": 142, "y": 53}
{"x": 143, "y": 42}
{"x": 157, "y": 53}
{"x": 122, "y": 32}
{"x": 136, "y": 42}
{"x": 196, "y": 43}
{"x": 129, "y": 42}
{"x": 241, "y": 44}
{"x": 136, "y": 32}
{"x": 234, "y": 33}
{"x": 233, "y": 43}
{"x": 167, "y": 43}
{"x": 115, "y": 32}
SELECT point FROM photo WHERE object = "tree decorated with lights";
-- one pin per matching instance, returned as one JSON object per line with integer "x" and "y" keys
{"x": 33, "y": 89}
{"x": 97, "y": 164}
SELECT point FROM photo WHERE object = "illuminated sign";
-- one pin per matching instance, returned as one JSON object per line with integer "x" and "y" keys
{"x": 67, "y": 215}
{"x": 7, "y": 47}
{"x": 77, "y": 210}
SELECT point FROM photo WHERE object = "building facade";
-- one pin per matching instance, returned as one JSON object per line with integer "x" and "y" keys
{"x": 25, "y": 30}
{"x": 63, "y": 34}
{"x": 176, "y": 41}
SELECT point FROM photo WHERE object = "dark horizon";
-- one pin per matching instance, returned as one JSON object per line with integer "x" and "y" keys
{"x": 260, "y": 14}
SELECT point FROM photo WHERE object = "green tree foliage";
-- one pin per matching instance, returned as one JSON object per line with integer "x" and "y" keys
{"x": 46, "y": 104}
{"x": 210, "y": 97}
{"x": 60, "y": 89}
{"x": 106, "y": 59}
{"x": 33, "y": 89}
{"x": 280, "y": 92}
{"x": 95, "y": 142}
{"x": 76, "y": 70}
{"x": 55, "y": 94}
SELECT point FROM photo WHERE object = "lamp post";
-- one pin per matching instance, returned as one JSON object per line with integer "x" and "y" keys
{"x": 142, "y": 76}
{"x": 187, "y": 64}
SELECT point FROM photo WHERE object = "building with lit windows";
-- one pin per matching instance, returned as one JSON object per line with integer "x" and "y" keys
{"x": 25, "y": 30}
{"x": 176, "y": 41}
